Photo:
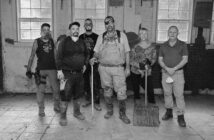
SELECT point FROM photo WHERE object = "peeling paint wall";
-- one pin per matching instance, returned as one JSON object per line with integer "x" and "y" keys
{"x": 16, "y": 56}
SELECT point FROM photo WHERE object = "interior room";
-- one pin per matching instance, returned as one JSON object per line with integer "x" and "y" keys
{"x": 21, "y": 24}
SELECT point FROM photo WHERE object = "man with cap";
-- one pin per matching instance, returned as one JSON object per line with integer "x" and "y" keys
{"x": 112, "y": 53}
{"x": 72, "y": 60}
{"x": 90, "y": 39}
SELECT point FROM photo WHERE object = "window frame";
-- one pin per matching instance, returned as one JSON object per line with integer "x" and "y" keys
{"x": 189, "y": 21}
{"x": 19, "y": 20}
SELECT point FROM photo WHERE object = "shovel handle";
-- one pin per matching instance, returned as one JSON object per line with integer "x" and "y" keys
{"x": 92, "y": 90}
{"x": 146, "y": 74}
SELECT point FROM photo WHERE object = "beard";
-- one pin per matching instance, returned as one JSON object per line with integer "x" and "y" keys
{"x": 75, "y": 34}
{"x": 47, "y": 36}
{"x": 88, "y": 30}
{"x": 110, "y": 28}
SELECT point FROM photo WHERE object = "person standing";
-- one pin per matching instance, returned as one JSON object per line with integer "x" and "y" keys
{"x": 112, "y": 53}
{"x": 90, "y": 39}
{"x": 44, "y": 49}
{"x": 72, "y": 60}
{"x": 173, "y": 55}
{"x": 143, "y": 54}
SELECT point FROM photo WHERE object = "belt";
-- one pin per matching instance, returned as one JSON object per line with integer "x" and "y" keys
{"x": 74, "y": 71}
{"x": 110, "y": 65}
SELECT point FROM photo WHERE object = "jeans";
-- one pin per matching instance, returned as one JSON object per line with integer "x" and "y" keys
{"x": 74, "y": 86}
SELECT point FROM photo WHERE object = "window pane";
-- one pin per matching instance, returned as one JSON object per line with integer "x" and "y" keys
{"x": 35, "y": 3}
{"x": 25, "y": 25}
{"x": 163, "y": 26}
{"x": 100, "y": 14}
{"x": 163, "y": 14}
{"x": 35, "y": 34}
{"x": 183, "y": 36}
{"x": 46, "y": 13}
{"x": 25, "y": 34}
{"x": 162, "y": 35}
{"x": 35, "y": 25}
{"x": 100, "y": 4}
{"x": 184, "y": 5}
{"x": 25, "y": 13}
{"x": 25, "y": 3}
{"x": 163, "y": 4}
{"x": 183, "y": 15}
{"x": 35, "y": 13}
{"x": 173, "y": 4}
{"x": 80, "y": 4}
{"x": 45, "y": 3}
{"x": 173, "y": 14}
{"x": 90, "y": 4}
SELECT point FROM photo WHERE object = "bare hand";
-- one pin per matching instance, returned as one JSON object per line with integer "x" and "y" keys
{"x": 92, "y": 61}
{"x": 83, "y": 69}
{"x": 127, "y": 72}
{"x": 171, "y": 71}
{"x": 60, "y": 75}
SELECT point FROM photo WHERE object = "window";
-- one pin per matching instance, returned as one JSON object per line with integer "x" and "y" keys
{"x": 31, "y": 14}
{"x": 174, "y": 12}
{"x": 95, "y": 9}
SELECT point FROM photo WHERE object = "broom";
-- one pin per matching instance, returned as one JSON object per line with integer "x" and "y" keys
{"x": 146, "y": 115}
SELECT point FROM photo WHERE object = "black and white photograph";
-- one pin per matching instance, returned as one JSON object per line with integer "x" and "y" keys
{"x": 106, "y": 69}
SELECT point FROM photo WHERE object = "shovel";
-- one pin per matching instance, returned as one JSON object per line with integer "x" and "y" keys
{"x": 148, "y": 114}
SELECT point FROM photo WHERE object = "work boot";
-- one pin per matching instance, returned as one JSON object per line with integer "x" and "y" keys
{"x": 168, "y": 114}
{"x": 41, "y": 112}
{"x": 57, "y": 106}
{"x": 76, "y": 110}
{"x": 109, "y": 107}
{"x": 181, "y": 121}
{"x": 97, "y": 107}
{"x": 122, "y": 112}
{"x": 63, "y": 110}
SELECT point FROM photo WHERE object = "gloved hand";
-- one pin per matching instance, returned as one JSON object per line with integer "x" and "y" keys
{"x": 60, "y": 74}
{"x": 29, "y": 74}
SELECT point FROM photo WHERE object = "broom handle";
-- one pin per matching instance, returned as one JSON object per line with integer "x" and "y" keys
{"x": 92, "y": 89}
{"x": 146, "y": 73}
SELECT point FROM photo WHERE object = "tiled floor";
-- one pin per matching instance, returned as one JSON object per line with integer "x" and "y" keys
{"x": 19, "y": 121}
